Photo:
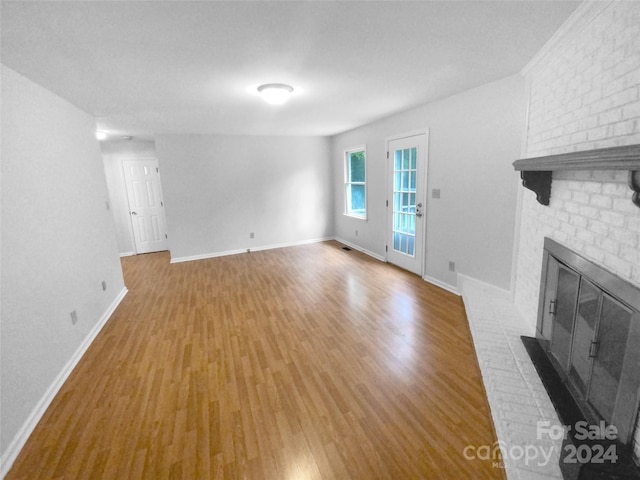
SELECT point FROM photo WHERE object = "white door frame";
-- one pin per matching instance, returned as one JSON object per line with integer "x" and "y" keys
{"x": 425, "y": 180}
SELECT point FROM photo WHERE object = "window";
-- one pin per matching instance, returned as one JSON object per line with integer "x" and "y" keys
{"x": 355, "y": 184}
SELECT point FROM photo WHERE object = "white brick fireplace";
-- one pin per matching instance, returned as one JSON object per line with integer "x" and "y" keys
{"x": 583, "y": 94}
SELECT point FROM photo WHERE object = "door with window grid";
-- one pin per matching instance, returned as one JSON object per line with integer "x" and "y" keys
{"x": 406, "y": 202}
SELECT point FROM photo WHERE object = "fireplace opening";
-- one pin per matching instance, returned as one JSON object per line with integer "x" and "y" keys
{"x": 589, "y": 330}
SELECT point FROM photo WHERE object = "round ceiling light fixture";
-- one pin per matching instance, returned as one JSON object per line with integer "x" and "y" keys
{"x": 275, "y": 93}
{"x": 100, "y": 135}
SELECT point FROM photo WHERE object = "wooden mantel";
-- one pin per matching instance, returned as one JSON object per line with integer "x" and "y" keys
{"x": 537, "y": 173}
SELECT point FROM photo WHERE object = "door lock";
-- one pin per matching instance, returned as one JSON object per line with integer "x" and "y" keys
{"x": 419, "y": 210}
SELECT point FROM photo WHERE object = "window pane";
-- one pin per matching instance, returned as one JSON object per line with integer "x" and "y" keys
{"x": 404, "y": 199}
{"x": 357, "y": 199}
{"x": 355, "y": 183}
{"x": 356, "y": 167}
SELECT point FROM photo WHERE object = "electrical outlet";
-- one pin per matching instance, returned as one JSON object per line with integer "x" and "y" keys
{"x": 251, "y": 235}
{"x": 74, "y": 317}
{"x": 452, "y": 266}
{"x": 435, "y": 193}
{"x": 104, "y": 286}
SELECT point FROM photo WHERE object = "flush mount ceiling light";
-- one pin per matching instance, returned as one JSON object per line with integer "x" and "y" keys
{"x": 275, "y": 93}
{"x": 100, "y": 135}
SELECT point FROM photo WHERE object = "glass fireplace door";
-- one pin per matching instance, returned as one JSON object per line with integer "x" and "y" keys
{"x": 613, "y": 334}
{"x": 563, "y": 307}
{"x": 584, "y": 342}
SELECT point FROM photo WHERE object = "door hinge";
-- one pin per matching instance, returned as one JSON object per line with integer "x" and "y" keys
{"x": 387, "y": 201}
{"x": 386, "y": 248}
{"x": 157, "y": 170}
{"x": 166, "y": 236}
{"x": 161, "y": 203}
{"x": 387, "y": 155}
{"x": 552, "y": 306}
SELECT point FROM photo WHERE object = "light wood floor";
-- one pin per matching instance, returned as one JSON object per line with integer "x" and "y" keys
{"x": 301, "y": 363}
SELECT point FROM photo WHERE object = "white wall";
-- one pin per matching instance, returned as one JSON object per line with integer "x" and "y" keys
{"x": 58, "y": 245}
{"x": 473, "y": 139}
{"x": 218, "y": 189}
{"x": 114, "y": 152}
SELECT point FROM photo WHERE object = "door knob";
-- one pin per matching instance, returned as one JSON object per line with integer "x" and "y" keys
{"x": 133, "y": 213}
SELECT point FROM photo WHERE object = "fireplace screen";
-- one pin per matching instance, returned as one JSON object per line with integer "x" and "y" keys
{"x": 588, "y": 322}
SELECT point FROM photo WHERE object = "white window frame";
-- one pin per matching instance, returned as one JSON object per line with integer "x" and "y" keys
{"x": 347, "y": 183}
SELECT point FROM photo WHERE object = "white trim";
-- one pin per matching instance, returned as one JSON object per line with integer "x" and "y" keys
{"x": 360, "y": 249}
{"x": 12, "y": 451}
{"x": 400, "y": 136}
{"x": 515, "y": 251}
{"x": 496, "y": 292}
{"x": 207, "y": 255}
{"x": 353, "y": 215}
{"x": 247, "y": 250}
{"x": 441, "y": 284}
{"x": 127, "y": 254}
{"x": 381, "y": 258}
{"x": 580, "y": 18}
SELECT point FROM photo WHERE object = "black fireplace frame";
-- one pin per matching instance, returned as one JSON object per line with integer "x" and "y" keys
{"x": 612, "y": 285}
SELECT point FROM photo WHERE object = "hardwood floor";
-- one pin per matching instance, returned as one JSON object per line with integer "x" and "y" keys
{"x": 301, "y": 363}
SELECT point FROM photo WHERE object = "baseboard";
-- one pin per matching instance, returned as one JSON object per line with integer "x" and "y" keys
{"x": 247, "y": 250}
{"x": 127, "y": 254}
{"x": 441, "y": 284}
{"x": 360, "y": 249}
{"x": 426, "y": 278}
{"x": 204, "y": 256}
{"x": 9, "y": 456}
{"x": 496, "y": 292}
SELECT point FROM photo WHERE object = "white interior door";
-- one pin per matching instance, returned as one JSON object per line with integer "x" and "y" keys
{"x": 146, "y": 206}
{"x": 406, "y": 202}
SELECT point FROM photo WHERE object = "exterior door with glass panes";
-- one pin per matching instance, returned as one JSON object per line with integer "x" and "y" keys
{"x": 406, "y": 202}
